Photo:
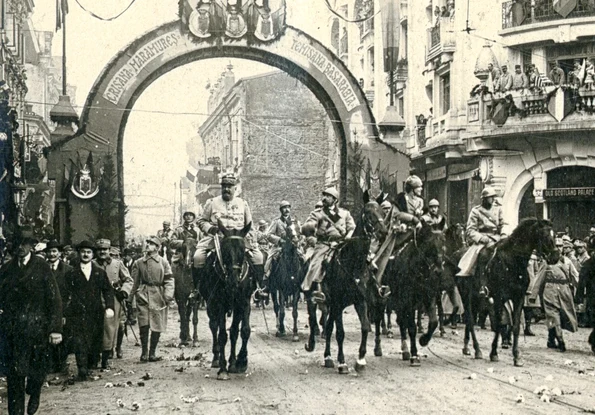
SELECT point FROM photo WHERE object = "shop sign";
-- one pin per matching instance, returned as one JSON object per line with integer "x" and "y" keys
{"x": 568, "y": 193}
{"x": 436, "y": 174}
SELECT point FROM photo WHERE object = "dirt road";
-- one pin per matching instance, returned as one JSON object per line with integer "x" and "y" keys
{"x": 283, "y": 378}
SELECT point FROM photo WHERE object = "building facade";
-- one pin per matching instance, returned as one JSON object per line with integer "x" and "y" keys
{"x": 275, "y": 135}
{"x": 465, "y": 127}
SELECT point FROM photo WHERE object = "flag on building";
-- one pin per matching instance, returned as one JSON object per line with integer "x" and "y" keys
{"x": 390, "y": 33}
{"x": 191, "y": 173}
{"x": 61, "y": 11}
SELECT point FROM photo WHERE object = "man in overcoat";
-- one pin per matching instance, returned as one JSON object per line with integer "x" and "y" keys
{"x": 30, "y": 320}
{"x": 89, "y": 299}
{"x": 154, "y": 290}
{"x": 59, "y": 268}
{"x": 585, "y": 296}
{"x": 121, "y": 283}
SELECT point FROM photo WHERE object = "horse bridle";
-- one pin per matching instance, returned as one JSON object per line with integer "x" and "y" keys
{"x": 243, "y": 269}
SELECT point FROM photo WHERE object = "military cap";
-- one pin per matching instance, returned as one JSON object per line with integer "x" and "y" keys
{"x": 559, "y": 242}
{"x": 154, "y": 240}
{"x": 566, "y": 238}
{"x": 262, "y": 222}
{"x": 414, "y": 181}
{"x": 229, "y": 178}
{"x": 433, "y": 202}
{"x": 166, "y": 222}
{"x": 579, "y": 244}
{"x": 284, "y": 203}
{"x": 567, "y": 244}
{"x": 189, "y": 213}
{"x": 103, "y": 244}
{"x": 488, "y": 192}
{"x": 386, "y": 205}
{"x": 67, "y": 248}
{"x": 53, "y": 244}
{"x": 332, "y": 192}
{"x": 85, "y": 244}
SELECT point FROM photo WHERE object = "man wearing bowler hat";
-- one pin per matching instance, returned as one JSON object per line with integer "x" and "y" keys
{"x": 88, "y": 301}
{"x": 234, "y": 213}
{"x": 59, "y": 269}
{"x": 121, "y": 283}
{"x": 30, "y": 320}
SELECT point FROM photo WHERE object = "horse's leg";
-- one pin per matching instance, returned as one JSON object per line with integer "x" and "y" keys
{"x": 420, "y": 312}
{"x": 194, "y": 310}
{"x": 281, "y": 314}
{"x": 402, "y": 323}
{"x": 473, "y": 303}
{"x": 214, "y": 326}
{"x": 362, "y": 312}
{"x": 328, "y": 334}
{"x": 389, "y": 324}
{"x": 516, "y": 326}
{"x": 430, "y": 306}
{"x": 440, "y": 316}
{"x": 181, "y": 301}
{"x": 311, "y": 306}
{"x": 465, "y": 292}
{"x": 377, "y": 317}
{"x": 234, "y": 331}
{"x": 412, "y": 330}
{"x": 496, "y": 318}
{"x": 383, "y": 325}
{"x": 294, "y": 314}
{"x": 242, "y": 362}
{"x": 222, "y": 341}
{"x": 340, "y": 337}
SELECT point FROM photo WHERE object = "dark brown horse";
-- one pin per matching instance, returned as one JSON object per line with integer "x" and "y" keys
{"x": 454, "y": 242}
{"x": 506, "y": 276}
{"x": 186, "y": 297}
{"x": 286, "y": 279}
{"x": 346, "y": 283}
{"x": 227, "y": 285}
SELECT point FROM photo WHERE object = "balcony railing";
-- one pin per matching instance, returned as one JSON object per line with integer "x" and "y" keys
{"x": 441, "y": 38}
{"x": 541, "y": 11}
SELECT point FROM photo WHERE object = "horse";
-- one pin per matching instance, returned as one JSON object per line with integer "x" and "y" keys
{"x": 346, "y": 283}
{"x": 227, "y": 285}
{"x": 185, "y": 294}
{"x": 415, "y": 281}
{"x": 454, "y": 237}
{"x": 286, "y": 279}
{"x": 506, "y": 277}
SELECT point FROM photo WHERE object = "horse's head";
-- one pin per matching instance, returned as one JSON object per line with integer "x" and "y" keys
{"x": 535, "y": 234}
{"x": 371, "y": 221}
{"x": 431, "y": 246}
{"x": 454, "y": 237}
{"x": 233, "y": 248}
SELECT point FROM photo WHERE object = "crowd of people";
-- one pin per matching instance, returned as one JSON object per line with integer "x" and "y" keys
{"x": 56, "y": 300}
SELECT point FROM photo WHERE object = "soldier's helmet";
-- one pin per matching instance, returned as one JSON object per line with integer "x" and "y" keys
{"x": 284, "y": 203}
{"x": 332, "y": 192}
{"x": 434, "y": 202}
{"x": 488, "y": 192}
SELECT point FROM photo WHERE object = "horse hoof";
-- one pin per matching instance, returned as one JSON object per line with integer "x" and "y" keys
{"x": 442, "y": 333}
{"x": 466, "y": 351}
{"x": 494, "y": 358}
{"x": 505, "y": 345}
{"x": 215, "y": 364}
{"x": 424, "y": 340}
{"x": 519, "y": 362}
{"x": 390, "y": 334}
{"x": 343, "y": 369}
{"x": 295, "y": 338}
{"x": 384, "y": 332}
{"x": 360, "y": 365}
{"x": 308, "y": 347}
{"x": 329, "y": 363}
{"x": 377, "y": 351}
{"x": 280, "y": 334}
{"x": 232, "y": 368}
{"x": 406, "y": 355}
{"x": 478, "y": 355}
{"x": 415, "y": 361}
{"x": 222, "y": 376}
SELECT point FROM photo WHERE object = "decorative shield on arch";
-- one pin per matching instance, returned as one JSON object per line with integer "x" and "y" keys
{"x": 564, "y": 7}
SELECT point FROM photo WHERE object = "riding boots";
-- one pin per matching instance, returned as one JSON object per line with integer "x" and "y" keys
{"x": 528, "y": 315}
{"x": 154, "y": 341}
{"x": 144, "y": 340}
{"x": 119, "y": 341}
{"x": 551, "y": 338}
{"x": 105, "y": 359}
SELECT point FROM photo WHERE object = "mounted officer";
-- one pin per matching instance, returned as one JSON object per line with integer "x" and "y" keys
{"x": 276, "y": 235}
{"x": 485, "y": 227}
{"x": 409, "y": 203}
{"x": 331, "y": 225}
{"x": 165, "y": 235}
{"x": 185, "y": 237}
{"x": 433, "y": 217}
{"x": 234, "y": 213}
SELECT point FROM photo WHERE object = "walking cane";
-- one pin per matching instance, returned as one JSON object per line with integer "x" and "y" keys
{"x": 127, "y": 323}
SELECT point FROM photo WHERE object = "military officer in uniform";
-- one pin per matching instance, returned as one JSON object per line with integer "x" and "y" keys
{"x": 485, "y": 227}
{"x": 121, "y": 282}
{"x": 234, "y": 213}
{"x": 276, "y": 235}
{"x": 433, "y": 216}
{"x": 331, "y": 225}
{"x": 409, "y": 203}
{"x": 165, "y": 235}
{"x": 185, "y": 238}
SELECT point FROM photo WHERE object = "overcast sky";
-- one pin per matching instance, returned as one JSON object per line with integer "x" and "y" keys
{"x": 154, "y": 144}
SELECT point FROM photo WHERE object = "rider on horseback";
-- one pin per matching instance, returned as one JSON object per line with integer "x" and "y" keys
{"x": 434, "y": 218}
{"x": 276, "y": 235}
{"x": 234, "y": 213}
{"x": 485, "y": 227}
{"x": 331, "y": 225}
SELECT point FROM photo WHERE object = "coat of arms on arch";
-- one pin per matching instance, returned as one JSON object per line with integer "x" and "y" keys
{"x": 83, "y": 176}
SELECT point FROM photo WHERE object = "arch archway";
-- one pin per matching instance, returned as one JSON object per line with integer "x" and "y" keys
{"x": 167, "y": 47}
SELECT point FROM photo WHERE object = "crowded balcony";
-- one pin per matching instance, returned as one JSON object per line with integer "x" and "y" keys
{"x": 441, "y": 38}
{"x": 537, "y": 21}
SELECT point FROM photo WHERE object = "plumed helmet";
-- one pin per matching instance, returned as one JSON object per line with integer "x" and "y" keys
{"x": 284, "y": 203}
{"x": 488, "y": 192}
{"x": 434, "y": 202}
{"x": 331, "y": 191}
{"x": 414, "y": 181}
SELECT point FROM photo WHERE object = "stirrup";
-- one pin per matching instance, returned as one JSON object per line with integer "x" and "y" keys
{"x": 318, "y": 297}
{"x": 384, "y": 291}
{"x": 484, "y": 292}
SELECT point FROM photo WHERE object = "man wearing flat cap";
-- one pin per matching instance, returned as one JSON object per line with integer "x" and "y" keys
{"x": 121, "y": 283}
{"x": 31, "y": 320}
{"x": 504, "y": 81}
{"x": 233, "y": 213}
{"x": 331, "y": 225}
{"x": 88, "y": 301}
{"x": 154, "y": 291}
{"x": 59, "y": 268}
{"x": 166, "y": 235}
